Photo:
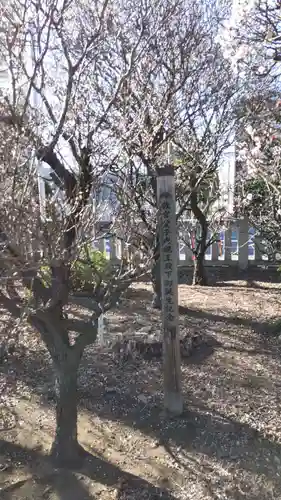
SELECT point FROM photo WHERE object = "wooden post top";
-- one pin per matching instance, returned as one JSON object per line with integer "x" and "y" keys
{"x": 166, "y": 170}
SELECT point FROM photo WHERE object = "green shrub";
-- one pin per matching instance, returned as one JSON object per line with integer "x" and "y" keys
{"x": 86, "y": 270}
{"x": 45, "y": 275}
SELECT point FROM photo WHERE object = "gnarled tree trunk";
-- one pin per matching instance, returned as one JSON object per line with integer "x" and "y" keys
{"x": 156, "y": 283}
{"x": 156, "y": 275}
{"x": 199, "y": 273}
{"x": 65, "y": 448}
{"x": 66, "y": 360}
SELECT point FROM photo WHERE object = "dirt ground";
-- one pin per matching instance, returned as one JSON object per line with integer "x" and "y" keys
{"x": 227, "y": 445}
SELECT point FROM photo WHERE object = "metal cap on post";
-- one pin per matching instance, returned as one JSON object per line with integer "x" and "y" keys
{"x": 173, "y": 401}
{"x": 166, "y": 170}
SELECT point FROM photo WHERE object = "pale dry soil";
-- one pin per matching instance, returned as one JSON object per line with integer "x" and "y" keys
{"x": 227, "y": 445}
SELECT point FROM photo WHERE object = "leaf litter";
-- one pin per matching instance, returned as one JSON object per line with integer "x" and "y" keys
{"x": 227, "y": 445}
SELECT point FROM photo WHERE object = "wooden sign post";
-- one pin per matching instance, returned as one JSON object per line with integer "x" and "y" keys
{"x": 173, "y": 402}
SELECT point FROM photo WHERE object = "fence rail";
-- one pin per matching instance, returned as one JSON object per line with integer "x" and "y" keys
{"x": 238, "y": 246}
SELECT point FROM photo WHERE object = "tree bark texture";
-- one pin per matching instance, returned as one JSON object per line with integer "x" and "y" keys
{"x": 156, "y": 283}
{"x": 199, "y": 273}
{"x": 156, "y": 275}
{"x": 65, "y": 448}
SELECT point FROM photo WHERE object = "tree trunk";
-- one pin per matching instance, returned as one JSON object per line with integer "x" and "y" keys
{"x": 156, "y": 275}
{"x": 199, "y": 273}
{"x": 65, "y": 448}
{"x": 156, "y": 283}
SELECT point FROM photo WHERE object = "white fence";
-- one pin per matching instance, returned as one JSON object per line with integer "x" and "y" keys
{"x": 238, "y": 246}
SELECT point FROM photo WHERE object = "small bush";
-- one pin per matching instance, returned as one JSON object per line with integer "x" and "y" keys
{"x": 88, "y": 268}
{"x": 85, "y": 272}
{"x": 45, "y": 275}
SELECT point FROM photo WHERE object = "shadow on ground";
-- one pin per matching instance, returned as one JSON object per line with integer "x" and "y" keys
{"x": 200, "y": 441}
{"x": 68, "y": 485}
{"x": 260, "y": 327}
{"x": 222, "y": 275}
{"x": 141, "y": 296}
{"x": 231, "y": 276}
{"x": 201, "y": 432}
